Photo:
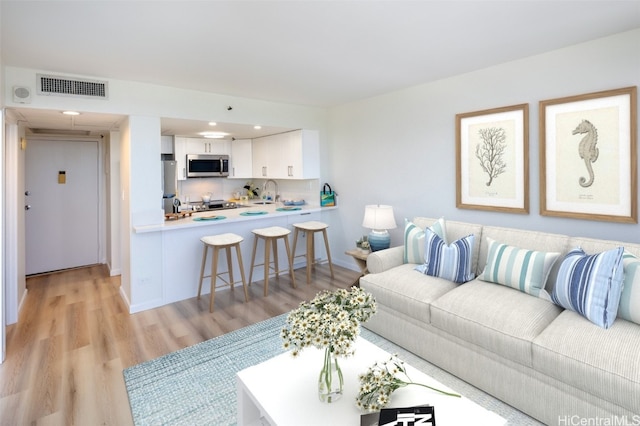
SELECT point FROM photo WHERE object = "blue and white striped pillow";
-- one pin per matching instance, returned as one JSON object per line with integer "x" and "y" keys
{"x": 414, "y": 239}
{"x": 591, "y": 284}
{"x": 451, "y": 262}
{"x": 630, "y": 299}
{"x": 524, "y": 270}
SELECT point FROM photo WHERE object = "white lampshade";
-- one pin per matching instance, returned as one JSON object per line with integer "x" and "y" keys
{"x": 378, "y": 217}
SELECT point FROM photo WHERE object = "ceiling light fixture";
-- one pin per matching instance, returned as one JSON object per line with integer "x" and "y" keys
{"x": 214, "y": 135}
{"x": 213, "y": 123}
{"x": 257, "y": 127}
{"x": 70, "y": 112}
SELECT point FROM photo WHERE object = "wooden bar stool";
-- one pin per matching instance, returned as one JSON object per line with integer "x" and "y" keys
{"x": 311, "y": 228}
{"x": 218, "y": 242}
{"x": 271, "y": 236}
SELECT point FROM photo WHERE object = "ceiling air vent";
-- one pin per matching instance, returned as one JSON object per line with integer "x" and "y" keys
{"x": 63, "y": 86}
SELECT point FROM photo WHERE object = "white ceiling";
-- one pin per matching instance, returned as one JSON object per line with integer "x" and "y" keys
{"x": 317, "y": 53}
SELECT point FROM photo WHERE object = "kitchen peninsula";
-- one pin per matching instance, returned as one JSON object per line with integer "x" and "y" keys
{"x": 182, "y": 249}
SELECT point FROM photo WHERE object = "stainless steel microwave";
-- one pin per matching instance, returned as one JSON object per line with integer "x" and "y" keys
{"x": 207, "y": 165}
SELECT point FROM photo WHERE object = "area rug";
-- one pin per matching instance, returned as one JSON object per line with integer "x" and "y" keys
{"x": 197, "y": 385}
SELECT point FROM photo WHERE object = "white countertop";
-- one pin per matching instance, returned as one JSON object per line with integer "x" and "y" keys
{"x": 231, "y": 215}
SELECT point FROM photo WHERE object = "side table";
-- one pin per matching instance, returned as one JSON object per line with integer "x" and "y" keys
{"x": 361, "y": 260}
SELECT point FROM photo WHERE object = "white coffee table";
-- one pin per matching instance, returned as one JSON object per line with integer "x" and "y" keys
{"x": 283, "y": 391}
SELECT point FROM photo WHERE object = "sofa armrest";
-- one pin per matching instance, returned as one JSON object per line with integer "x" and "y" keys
{"x": 382, "y": 260}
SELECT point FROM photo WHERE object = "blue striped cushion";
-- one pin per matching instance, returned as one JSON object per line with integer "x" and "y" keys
{"x": 451, "y": 262}
{"x": 630, "y": 299}
{"x": 591, "y": 284}
{"x": 414, "y": 239}
{"x": 524, "y": 270}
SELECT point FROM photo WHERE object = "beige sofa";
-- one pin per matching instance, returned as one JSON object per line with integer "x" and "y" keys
{"x": 552, "y": 364}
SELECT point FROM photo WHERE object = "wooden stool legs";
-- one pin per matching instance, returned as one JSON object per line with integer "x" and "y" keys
{"x": 311, "y": 228}
{"x": 225, "y": 241}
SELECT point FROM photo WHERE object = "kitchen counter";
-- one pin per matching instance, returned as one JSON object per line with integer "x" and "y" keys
{"x": 231, "y": 216}
{"x": 177, "y": 243}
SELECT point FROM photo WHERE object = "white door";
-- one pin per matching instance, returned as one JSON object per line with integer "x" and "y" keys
{"x": 61, "y": 220}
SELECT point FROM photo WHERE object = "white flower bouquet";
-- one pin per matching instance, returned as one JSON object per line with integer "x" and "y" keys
{"x": 331, "y": 320}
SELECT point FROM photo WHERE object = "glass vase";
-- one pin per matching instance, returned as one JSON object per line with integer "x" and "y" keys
{"x": 330, "y": 382}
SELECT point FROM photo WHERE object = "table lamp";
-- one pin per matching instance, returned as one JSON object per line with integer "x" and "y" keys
{"x": 379, "y": 218}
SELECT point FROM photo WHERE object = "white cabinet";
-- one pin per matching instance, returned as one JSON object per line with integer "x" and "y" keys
{"x": 208, "y": 146}
{"x": 183, "y": 146}
{"x": 241, "y": 159}
{"x": 180, "y": 155}
{"x": 302, "y": 154}
{"x": 291, "y": 155}
{"x": 266, "y": 157}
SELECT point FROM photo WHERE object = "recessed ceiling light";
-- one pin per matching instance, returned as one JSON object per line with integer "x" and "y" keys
{"x": 257, "y": 127}
{"x": 214, "y": 135}
{"x": 70, "y": 112}
{"x": 213, "y": 123}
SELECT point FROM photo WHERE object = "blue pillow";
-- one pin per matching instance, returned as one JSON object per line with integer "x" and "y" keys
{"x": 591, "y": 284}
{"x": 451, "y": 262}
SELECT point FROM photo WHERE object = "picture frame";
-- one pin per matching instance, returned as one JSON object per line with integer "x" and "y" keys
{"x": 492, "y": 159}
{"x": 588, "y": 156}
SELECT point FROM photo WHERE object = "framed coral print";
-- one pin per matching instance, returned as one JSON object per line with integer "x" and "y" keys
{"x": 492, "y": 159}
{"x": 588, "y": 156}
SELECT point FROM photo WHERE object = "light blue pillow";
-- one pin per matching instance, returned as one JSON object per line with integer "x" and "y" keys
{"x": 630, "y": 299}
{"x": 451, "y": 262}
{"x": 591, "y": 284}
{"x": 524, "y": 270}
{"x": 414, "y": 239}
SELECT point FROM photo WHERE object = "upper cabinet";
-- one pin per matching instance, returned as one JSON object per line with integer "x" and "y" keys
{"x": 241, "y": 159}
{"x": 291, "y": 155}
{"x": 208, "y": 146}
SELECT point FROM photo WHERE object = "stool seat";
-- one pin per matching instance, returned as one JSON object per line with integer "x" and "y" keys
{"x": 271, "y": 235}
{"x": 272, "y": 232}
{"x": 222, "y": 239}
{"x": 218, "y": 242}
{"x": 311, "y": 227}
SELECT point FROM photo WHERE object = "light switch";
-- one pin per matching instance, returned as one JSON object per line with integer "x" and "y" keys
{"x": 62, "y": 176}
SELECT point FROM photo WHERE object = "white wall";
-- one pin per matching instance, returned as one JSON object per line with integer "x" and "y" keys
{"x": 399, "y": 148}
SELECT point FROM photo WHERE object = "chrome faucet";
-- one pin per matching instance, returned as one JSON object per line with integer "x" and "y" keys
{"x": 264, "y": 190}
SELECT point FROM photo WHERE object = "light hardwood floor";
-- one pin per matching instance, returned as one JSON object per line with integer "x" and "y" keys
{"x": 66, "y": 354}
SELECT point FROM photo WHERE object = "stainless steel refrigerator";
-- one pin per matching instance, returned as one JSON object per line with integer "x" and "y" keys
{"x": 169, "y": 185}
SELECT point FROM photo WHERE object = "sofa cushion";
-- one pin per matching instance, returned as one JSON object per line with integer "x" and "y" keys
{"x": 405, "y": 290}
{"x": 629, "y": 308}
{"x": 494, "y": 317}
{"x": 591, "y": 284}
{"x": 604, "y": 363}
{"x": 451, "y": 262}
{"x": 414, "y": 239}
{"x": 524, "y": 270}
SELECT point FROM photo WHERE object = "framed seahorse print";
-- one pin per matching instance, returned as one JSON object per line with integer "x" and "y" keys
{"x": 588, "y": 156}
{"x": 492, "y": 159}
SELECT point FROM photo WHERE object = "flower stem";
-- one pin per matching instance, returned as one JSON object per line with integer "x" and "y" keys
{"x": 433, "y": 389}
